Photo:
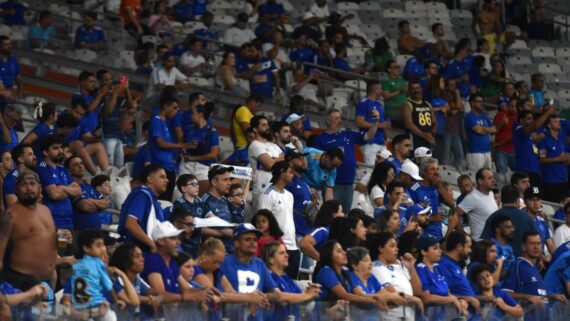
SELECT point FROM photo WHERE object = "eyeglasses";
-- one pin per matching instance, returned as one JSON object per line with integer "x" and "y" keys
{"x": 239, "y": 194}
{"x": 194, "y": 184}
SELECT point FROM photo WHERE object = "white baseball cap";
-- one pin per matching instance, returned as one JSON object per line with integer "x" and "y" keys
{"x": 294, "y": 117}
{"x": 422, "y": 152}
{"x": 164, "y": 229}
{"x": 385, "y": 154}
{"x": 411, "y": 169}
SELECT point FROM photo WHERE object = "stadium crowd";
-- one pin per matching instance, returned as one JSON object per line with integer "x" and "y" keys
{"x": 207, "y": 236}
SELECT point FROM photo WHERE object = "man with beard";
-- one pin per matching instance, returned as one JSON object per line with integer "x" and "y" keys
{"x": 457, "y": 249}
{"x": 418, "y": 117}
{"x": 262, "y": 153}
{"x": 336, "y": 136}
{"x": 402, "y": 149}
{"x": 283, "y": 137}
{"x": 58, "y": 187}
{"x": 409, "y": 174}
{"x": 32, "y": 245}
{"x": 503, "y": 233}
{"x": 301, "y": 191}
{"x": 521, "y": 222}
{"x": 141, "y": 211}
{"x": 428, "y": 192}
{"x": 321, "y": 170}
{"x": 25, "y": 159}
{"x": 9, "y": 73}
{"x": 88, "y": 205}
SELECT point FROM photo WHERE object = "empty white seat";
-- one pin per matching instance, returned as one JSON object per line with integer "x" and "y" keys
{"x": 436, "y": 6}
{"x": 549, "y": 68}
{"x": 564, "y": 93}
{"x": 369, "y": 6}
{"x": 519, "y": 44}
{"x": 224, "y": 19}
{"x": 347, "y": 6}
{"x": 154, "y": 39}
{"x": 563, "y": 52}
{"x": 543, "y": 52}
{"x": 461, "y": 13}
{"x": 220, "y": 4}
{"x": 5, "y": 30}
{"x": 416, "y": 14}
{"x": 86, "y": 55}
{"x": 519, "y": 60}
{"x": 393, "y": 13}
{"x": 415, "y": 5}
{"x": 402, "y": 59}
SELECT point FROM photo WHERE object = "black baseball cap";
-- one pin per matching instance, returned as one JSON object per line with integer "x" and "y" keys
{"x": 532, "y": 192}
{"x": 219, "y": 170}
{"x": 278, "y": 168}
{"x": 292, "y": 154}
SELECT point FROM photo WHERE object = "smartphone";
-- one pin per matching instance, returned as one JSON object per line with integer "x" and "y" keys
{"x": 123, "y": 80}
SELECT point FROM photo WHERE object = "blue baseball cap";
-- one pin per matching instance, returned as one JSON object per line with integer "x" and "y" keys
{"x": 417, "y": 210}
{"x": 246, "y": 228}
{"x": 425, "y": 241}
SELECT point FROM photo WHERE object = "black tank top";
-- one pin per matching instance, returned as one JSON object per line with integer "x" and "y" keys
{"x": 421, "y": 114}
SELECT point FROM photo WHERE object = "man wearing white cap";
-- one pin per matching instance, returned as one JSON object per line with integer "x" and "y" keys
{"x": 421, "y": 153}
{"x": 161, "y": 271}
{"x": 409, "y": 175}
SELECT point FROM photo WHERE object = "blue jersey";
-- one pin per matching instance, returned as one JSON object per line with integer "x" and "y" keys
{"x": 437, "y": 102}
{"x": 262, "y": 81}
{"x": 280, "y": 312}
{"x": 221, "y": 208}
{"x": 82, "y": 220}
{"x": 413, "y": 69}
{"x": 542, "y": 229}
{"x": 341, "y": 64}
{"x": 89, "y": 121}
{"x": 432, "y": 281}
{"x": 200, "y": 7}
{"x": 477, "y": 143}
{"x": 16, "y": 19}
{"x": 9, "y": 183}
{"x": 197, "y": 209}
{"x": 550, "y": 147}
{"x": 526, "y": 151}
{"x": 428, "y": 196}
{"x": 301, "y": 198}
{"x": 93, "y": 36}
{"x": 328, "y": 279}
{"x": 160, "y": 156}
{"x": 208, "y": 34}
{"x": 321, "y": 236}
{"x": 206, "y": 137}
{"x": 272, "y": 8}
{"x": 402, "y": 213}
{"x": 61, "y": 210}
{"x": 183, "y": 12}
{"x": 365, "y": 312}
{"x": 7, "y": 146}
{"x": 315, "y": 175}
{"x": 9, "y": 72}
{"x": 457, "y": 69}
{"x": 247, "y": 278}
{"x": 154, "y": 263}
{"x": 506, "y": 253}
{"x": 143, "y": 156}
{"x": 364, "y": 109}
{"x": 558, "y": 275}
{"x": 41, "y": 130}
{"x": 524, "y": 277}
{"x": 138, "y": 205}
{"x": 346, "y": 140}
{"x": 563, "y": 248}
{"x": 305, "y": 54}
{"x": 453, "y": 273}
{"x": 90, "y": 283}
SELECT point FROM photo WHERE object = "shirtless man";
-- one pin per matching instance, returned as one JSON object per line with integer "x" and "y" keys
{"x": 489, "y": 22}
{"x": 32, "y": 247}
{"x": 5, "y": 230}
{"x": 407, "y": 44}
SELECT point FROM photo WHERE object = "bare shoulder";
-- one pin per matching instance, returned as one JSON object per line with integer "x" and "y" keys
{"x": 5, "y": 222}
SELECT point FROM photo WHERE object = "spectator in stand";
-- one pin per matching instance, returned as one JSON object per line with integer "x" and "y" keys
{"x": 312, "y": 242}
{"x": 263, "y": 75}
{"x": 489, "y": 21}
{"x": 533, "y": 202}
{"x": 24, "y": 159}
{"x": 280, "y": 202}
{"x": 434, "y": 94}
{"x": 239, "y": 33}
{"x": 407, "y": 44}
{"x": 166, "y": 75}
{"x": 9, "y": 118}
{"x": 402, "y": 146}
{"x": 381, "y": 177}
{"x": 394, "y": 91}
{"x": 431, "y": 70}
{"x": 101, "y": 185}
{"x": 297, "y": 107}
{"x": 507, "y": 94}
{"x": 377, "y": 57}
{"x": 263, "y": 154}
{"x": 557, "y": 278}
{"x": 131, "y": 13}
{"x": 321, "y": 170}
{"x": 521, "y": 88}
{"x": 521, "y": 221}
{"x": 418, "y": 117}
{"x": 305, "y": 87}
{"x": 87, "y": 206}
{"x": 266, "y": 27}
{"x": 241, "y": 118}
{"x": 302, "y": 52}
{"x": 369, "y": 114}
{"x": 90, "y": 36}
{"x": 485, "y": 286}
{"x": 521, "y": 181}
{"x": 562, "y": 233}
{"x": 428, "y": 192}
{"x": 458, "y": 70}
{"x": 477, "y": 72}
{"x": 183, "y": 11}
{"x": 435, "y": 290}
{"x": 554, "y": 159}
{"x": 457, "y": 250}
{"x": 45, "y": 113}
{"x": 536, "y": 93}
{"x": 503, "y": 147}
{"x": 336, "y": 136}
{"x": 524, "y": 281}
{"x": 340, "y": 62}
{"x": 311, "y": 27}
{"x": 143, "y": 156}
{"x": 226, "y": 75}
{"x": 479, "y": 129}
{"x": 465, "y": 187}
{"x": 193, "y": 63}
{"x": 525, "y": 139}
{"x": 495, "y": 81}
{"x": 141, "y": 211}
{"x": 10, "y": 78}
{"x": 159, "y": 22}
{"x": 41, "y": 34}
{"x": 303, "y": 200}
{"x": 57, "y": 186}
{"x": 440, "y": 46}
{"x": 503, "y": 233}
{"x": 207, "y": 32}
{"x": 479, "y": 204}
{"x": 539, "y": 28}
{"x": 215, "y": 201}
{"x": 12, "y": 12}
{"x": 204, "y": 145}
{"x": 190, "y": 201}
{"x": 276, "y": 51}
{"x": 283, "y": 137}
{"x": 453, "y": 126}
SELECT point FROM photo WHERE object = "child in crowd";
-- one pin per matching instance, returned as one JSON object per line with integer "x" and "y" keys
{"x": 102, "y": 184}
{"x": 482, "y": 277}
{"x": 90, "y": 281}
{"x": 264, "y": 221}
{"x": 236, "y": 200}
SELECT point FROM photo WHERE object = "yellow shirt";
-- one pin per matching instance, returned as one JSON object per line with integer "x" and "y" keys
{"x": 242, "y": 115}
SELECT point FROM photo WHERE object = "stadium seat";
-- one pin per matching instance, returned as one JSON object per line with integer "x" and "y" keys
{"x": 402, "y": 59}
{"x": 543, "y": 52}
{"x": 415, "y": 6}
{"x": 5, "y": 30}
{"x": 370, "y": 6}
{"x": 154, "y": 39}
{"x": 394, "y": 13}
{"x": 563, "y": 52}
{"x": 347, "y": 6}
{"x": 519, "y": 60}
{"x": 86, "y": 55}
{"x": 549, "y": 68}
{"x": 220, "y": 4}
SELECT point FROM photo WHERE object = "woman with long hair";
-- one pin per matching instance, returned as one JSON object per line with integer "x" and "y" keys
{"x": 312, "y": 242}
{"x": 485, "y": 252}
{"x": 349, "y": 231}
{"x": 265, "y": 221}
{"x": 396, "y": 276}
{"x": 45, "y": 113}
{"x": 226, "y": 75}
{"x": 382, "y": 175}
{"x": 495, "y": 81}
{"x": 277, "y": 260}
{"x": 389, "y": 221}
